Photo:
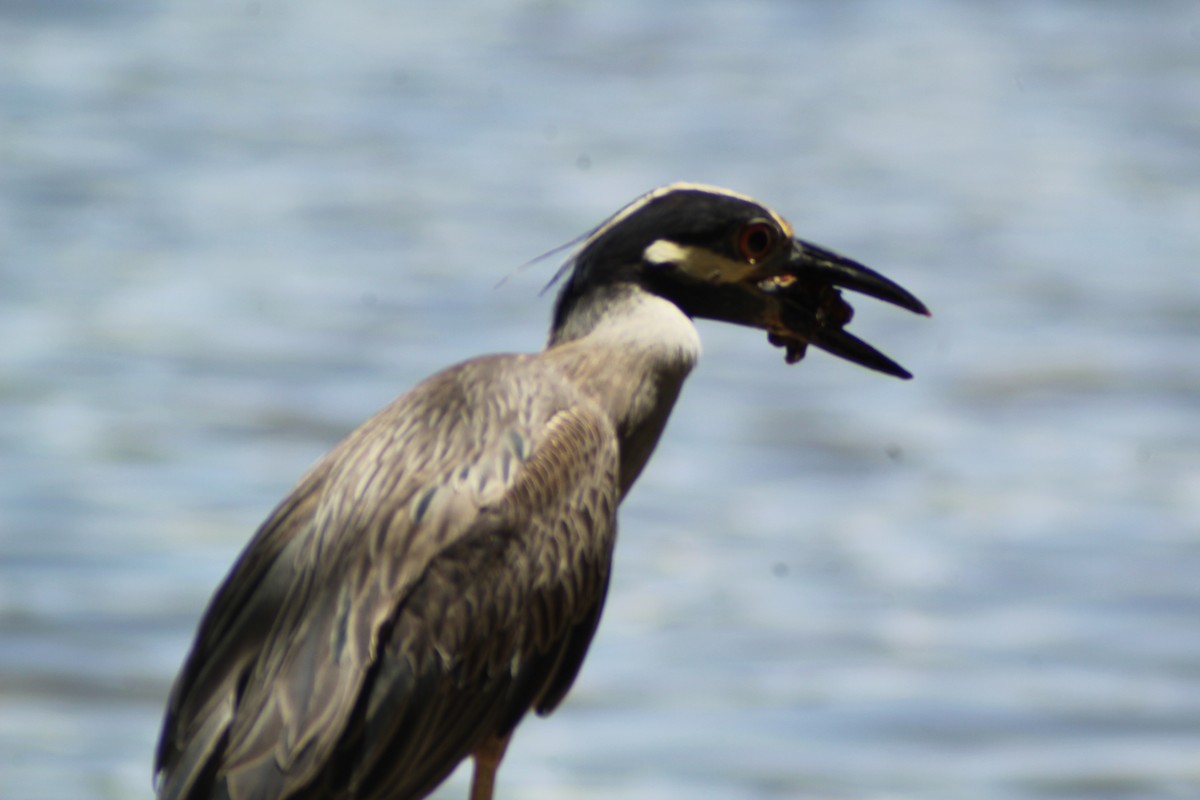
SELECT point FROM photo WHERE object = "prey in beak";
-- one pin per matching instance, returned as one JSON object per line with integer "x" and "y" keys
{"x": 803, "y": 305}
{"x": 761, "y": 276}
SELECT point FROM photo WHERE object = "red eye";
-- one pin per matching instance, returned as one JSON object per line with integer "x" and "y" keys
{"x": 756, "y": 240}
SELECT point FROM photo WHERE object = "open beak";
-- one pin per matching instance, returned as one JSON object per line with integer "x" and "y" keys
{"x": 803, "y": 305}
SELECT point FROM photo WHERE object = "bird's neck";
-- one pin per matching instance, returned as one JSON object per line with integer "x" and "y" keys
{"x": 629, "y": 350}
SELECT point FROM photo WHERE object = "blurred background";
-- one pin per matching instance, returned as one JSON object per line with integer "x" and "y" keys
{"x": 230, "y": 231}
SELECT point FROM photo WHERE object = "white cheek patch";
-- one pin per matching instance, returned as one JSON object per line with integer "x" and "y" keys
{"x": 663, "y": 253}
{"x": 698, "y": 262}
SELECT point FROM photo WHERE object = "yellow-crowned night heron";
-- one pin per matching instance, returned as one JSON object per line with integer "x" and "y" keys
{"x": 441, "y": 571}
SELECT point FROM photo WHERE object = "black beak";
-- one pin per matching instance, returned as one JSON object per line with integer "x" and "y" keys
{"x": 809, "y": 309}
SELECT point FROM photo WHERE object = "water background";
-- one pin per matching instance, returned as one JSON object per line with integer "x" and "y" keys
{"x": 229, "y": 231}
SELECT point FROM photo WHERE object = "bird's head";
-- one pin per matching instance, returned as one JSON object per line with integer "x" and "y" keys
{"x": 724, "y": 256}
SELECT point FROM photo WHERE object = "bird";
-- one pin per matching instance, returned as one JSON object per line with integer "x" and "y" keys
{"x": 441, "y": 571}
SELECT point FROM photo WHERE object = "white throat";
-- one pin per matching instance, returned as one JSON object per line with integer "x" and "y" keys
{"x": 649, "y": 326}
{"x": 630, "y": 351}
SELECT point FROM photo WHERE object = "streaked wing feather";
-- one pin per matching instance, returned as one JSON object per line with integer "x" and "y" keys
{"x": 238, "y": 618}
{"x": 405, "y": 625}
{"x": 471, "y": 632}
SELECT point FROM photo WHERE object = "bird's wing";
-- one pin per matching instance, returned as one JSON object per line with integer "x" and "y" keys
{"x": 236, "y": 623}
{"x": 436, "y": 575}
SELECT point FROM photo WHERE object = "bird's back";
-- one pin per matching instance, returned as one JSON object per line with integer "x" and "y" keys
{"x": 433, "y": 577}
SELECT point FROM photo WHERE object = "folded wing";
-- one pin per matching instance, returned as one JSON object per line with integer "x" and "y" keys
{"x": 430, "y": 580}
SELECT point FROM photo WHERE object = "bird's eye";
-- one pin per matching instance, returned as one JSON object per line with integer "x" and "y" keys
{"x": 756, "y": 240}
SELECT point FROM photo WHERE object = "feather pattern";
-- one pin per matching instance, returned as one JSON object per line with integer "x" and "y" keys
{"x": 423, "y": 586}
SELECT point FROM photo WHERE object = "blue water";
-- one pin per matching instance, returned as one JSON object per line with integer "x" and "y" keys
{"x": 229, "y": 231}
